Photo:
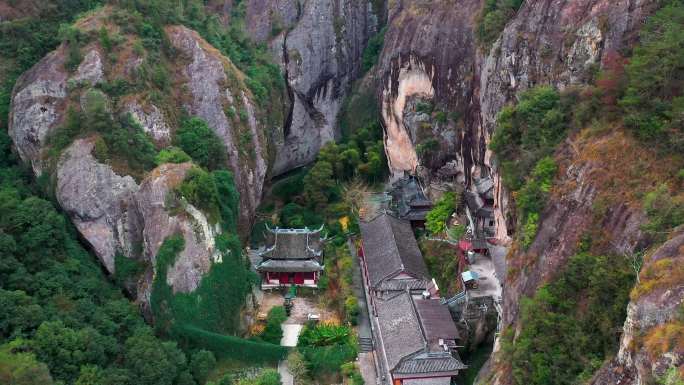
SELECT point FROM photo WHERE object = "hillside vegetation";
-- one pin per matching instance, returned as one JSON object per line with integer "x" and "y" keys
{"x": 64, "y": 321}
{"x": 629, "y": 121}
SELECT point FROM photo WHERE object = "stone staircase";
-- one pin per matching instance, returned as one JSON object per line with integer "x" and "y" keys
{"x": 365, "y": 344}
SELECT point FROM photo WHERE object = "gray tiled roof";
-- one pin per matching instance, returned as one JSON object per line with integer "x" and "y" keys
{"x": 400, "y": 331}
{"x": 436, "y": 320}
{"x": 402, "y": 284}
{"x": 389, "y": 248}
{"x": 289, "y": 266}
{"x": 429, "y": 363}
{"x": 293, "y": 244}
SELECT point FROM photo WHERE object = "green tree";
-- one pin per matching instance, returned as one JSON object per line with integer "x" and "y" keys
{"x": 21, "y": 368}
{"x": 653, "y": 102}
{"x": 199, "y": 141}
{"x": 318, "y": 185}
{"x": 21, "y": 314}
{"x": 171, "y": 155}
{"x": 436, "y": 219}
{"x": 65, "y": 350}
{"x": 202, "y": 362}
{"x": 568, "y": 327}
{"x": 150, "y": 362}
{"x": 273, "y": 332}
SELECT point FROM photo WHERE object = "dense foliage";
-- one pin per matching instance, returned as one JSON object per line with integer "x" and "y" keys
{"x": 273, "y": 332}
{"x": 362, "y": 155}
{"x": 493, "y": 18}
{"x": 528, "y": 131}
{"x": 437, "y": 219}
{"x": 200, "y": 142}
{"x": 568, "y": 327}
{"x": 526, "y": 137}
{"x": 214, "y": 193}
{"x": 59, "y": 309}
{"x": 653, "y": 101}
{"x": 326, "y": 348}
{"x": 215, "y": 305}
{"x": 372, "y": 51}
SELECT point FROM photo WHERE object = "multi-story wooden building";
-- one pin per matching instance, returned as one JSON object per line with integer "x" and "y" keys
{"x": 291, "y": 257}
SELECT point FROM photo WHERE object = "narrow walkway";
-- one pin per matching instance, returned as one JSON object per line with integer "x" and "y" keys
{"x": 364, "y": 327}
{"x": 290, "y": 334}
{"x": 286, "y": 377}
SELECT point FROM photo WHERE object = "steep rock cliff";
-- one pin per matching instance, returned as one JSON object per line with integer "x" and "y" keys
{"x": 651, "y": 342}
{"x": 119, "y": 211}
{"x": 431, "y": 54}
{"x": 319, "y": 45}
{"x": 205, "y": 76}
{"x": 437, "y": 80}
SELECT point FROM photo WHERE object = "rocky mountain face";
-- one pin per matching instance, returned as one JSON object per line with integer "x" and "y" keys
{"x": 431, "y": 55}
{"x": 645, "y": 354}
{"x": 319, "y": 45}
{"x": 116, "y": 213}
{"x": 438, "y": 83}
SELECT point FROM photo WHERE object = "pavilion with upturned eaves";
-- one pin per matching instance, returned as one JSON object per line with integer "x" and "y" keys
{"x": 292, "y": 257}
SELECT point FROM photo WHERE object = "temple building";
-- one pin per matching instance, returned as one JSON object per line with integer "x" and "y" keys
{"x": 409, "y": 201}
{"x": 291, "y": 257}
{"x": 413, "y": 331}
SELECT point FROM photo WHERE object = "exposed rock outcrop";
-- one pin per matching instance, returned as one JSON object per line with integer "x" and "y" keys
{"x": 38, "y": 105}
{"x": 319, "y": 45}
{"x": 152, "y": 121}
{"x": 114, "y": 214}
{"x": 199, "y": 252}
{"x": 640, "y": 360}
{"x": 211, "y": 94}
{"x": 430, "y": 54}
{"x": 100, "y": 203}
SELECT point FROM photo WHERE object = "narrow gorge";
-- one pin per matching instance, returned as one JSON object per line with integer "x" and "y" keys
{"x": 171, "y": 133}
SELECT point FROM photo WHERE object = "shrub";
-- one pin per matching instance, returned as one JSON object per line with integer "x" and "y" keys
{"x": 493, "y": 18}
{"x": 273, "y": 332}
{"x": 171, "y": 155}
{"x": 653, "y": 102}
{"x": 664, "y": 211}
{"x": 436, "y": 220}
{"x": 327, "y": 360}
{"x": 126, "y": 270}
{"x": 201, "y": 143}
{"x": 568, "y": 327}
{"x": 105, "y": 40}
{"x": 199, "y": 188}
{"x": 72, "y": 37}
{"x": 372, "y": 51}
{"x": 456, "y": 232}
{"x": 289, "y": 187}
{"x": 324, "y": 335}
{"x": 441, "y": 117}
{"x": 295, "y": 216}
